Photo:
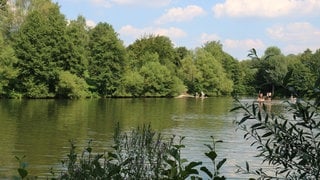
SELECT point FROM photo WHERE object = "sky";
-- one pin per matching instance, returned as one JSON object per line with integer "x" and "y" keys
{"x": 239, "y": 25}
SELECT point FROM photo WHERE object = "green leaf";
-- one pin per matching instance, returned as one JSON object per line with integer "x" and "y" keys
{"x": 256, "y": 125}
{"x": 193, "y": 164}
{"x": 236, "y": 108}
{"x": 244, "y": 119}
{"x": 212, "y": 155}
{"x": 247, "y": 166}
{"x": 267, "y": 134}
{"x": 89, "y": 149}
{"x": 206, "y": 170}
{"x": 22, "y": 172}
{"x": 112, "y": 155}
{"x": 221, "y": 163}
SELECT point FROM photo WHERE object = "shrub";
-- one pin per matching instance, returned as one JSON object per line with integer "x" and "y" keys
{"x": 289, "y": 143}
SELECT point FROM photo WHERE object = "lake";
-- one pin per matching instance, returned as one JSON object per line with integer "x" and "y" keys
{"x": 41, "y": 129}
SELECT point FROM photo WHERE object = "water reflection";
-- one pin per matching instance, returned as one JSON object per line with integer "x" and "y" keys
{"x": 40, "y": 129}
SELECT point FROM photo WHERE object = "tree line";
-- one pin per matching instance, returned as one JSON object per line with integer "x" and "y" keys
{"x": 43, "y": 55}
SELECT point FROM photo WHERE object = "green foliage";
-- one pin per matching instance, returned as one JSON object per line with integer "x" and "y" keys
{"x": 190, "y": 74}
{"x": 131, "y": 85}
{"x": 290, "y": 144}
{"x": 213, "y": 80}
{"x": 72, "y": 86}
{"x": 160, "y": 45}
{"x": 212, "y": 155}
{"x": 300, "y": 79}
{"x": 76, "y": 48}
{"x": 39, "y": 54}
{"x": 158, "y": 80}
{"x": 7, "y": 71}
{"x": 178, "y": 167}
{"x": 39, "y": 43}
{"x": 107, "y": 59}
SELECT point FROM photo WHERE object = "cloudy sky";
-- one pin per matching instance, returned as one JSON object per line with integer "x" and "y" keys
{"x": 239, "y": 25}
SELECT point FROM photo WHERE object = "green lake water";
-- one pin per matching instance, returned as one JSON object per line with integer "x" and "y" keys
{"x": 41, "y": 129}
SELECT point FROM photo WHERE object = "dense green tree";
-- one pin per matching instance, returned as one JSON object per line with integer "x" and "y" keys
{"x": 230, "y": 65}
{"x": 159, "y": 82}
{"x": 300, "y": 79}
{"x": 314, "y": 62}
{"x": 71, "y": 86}
{"x": 214, "y": 80}
{"x": 106, "y": 60}
{"x": 246, "y": 79}
{"x": 7, "y": 71}
{"x": 181, "y": 53}
{"x": 76, "y": 49}
{"x": 160, "y": 45}
{"x": 150, "y": 52}
{"x": 190, "y": 74}
{"x": 132, "y": 84}
{"x": 272, "y": 70}
{"x": 303, "y": 73}
{"x": 276, "y": 68}
{"x": 38, "y": 46}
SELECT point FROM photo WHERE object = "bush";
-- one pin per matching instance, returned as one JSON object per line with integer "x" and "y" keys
{"x": 289, "y": 143}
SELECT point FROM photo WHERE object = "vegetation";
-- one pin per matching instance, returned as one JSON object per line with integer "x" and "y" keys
{"x": 44, "y": 55}
{"x": 141, "y": 154}
{"x": 288, "y": 143}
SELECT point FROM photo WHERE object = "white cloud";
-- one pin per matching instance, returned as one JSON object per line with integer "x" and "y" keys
{"x": 299, "y": 36}
{"x": 266, "y": 8}
{"x": 243, "y": 44}
{"x": 204, "y": 38}
{"x": 236, "y": 48}
{"x": 239, "y": 48}
{"x": 135, "y": 33}
{"x": 295, "y": 32}
{"x": 149, "y": 3}
{"x": 154, "y": 3}
{"x": 91, "y": 23}
{"x": 181, "y": 14}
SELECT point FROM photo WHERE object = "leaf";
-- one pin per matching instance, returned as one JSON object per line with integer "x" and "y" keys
{"x": 247, "y": 166}
{"x": 254, "y": 109}
{"x": 267, "y": 134}
{"x": 22, "y": 172}
{"x": 206, "y": 170}
{"x": 209, "y": 146}
{"x": 212, "y": 155}
{"x": 89, "y": 149}
{"x": 236, "y": 108}
{"x": 259, "y": 116}
{"x": 112, "y": 155}
{"x": 221, "y": 163}
{"x": 244, "y": 119}
{"x": 256, "y": 125}
{"x": 193, "y": 164}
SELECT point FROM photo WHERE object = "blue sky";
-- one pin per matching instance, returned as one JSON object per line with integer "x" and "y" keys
{"x": 239, "y": 25}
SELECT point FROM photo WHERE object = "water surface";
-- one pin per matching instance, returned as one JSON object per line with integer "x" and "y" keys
{"x": 41, "y": 129}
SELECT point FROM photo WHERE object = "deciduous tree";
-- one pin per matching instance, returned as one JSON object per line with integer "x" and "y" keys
{"x": 106, "y": 60}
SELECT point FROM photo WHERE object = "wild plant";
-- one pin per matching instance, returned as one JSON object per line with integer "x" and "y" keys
{"x": 290, "y": 144}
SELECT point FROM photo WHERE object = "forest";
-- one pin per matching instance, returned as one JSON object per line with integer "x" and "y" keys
{"x": 44, "y": 55}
